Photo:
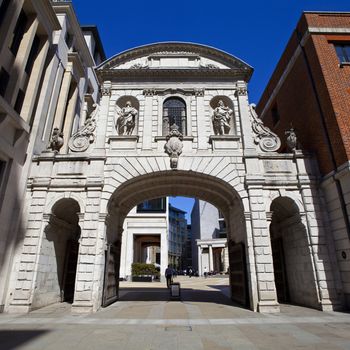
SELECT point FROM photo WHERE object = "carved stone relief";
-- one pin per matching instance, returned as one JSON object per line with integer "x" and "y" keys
{"x": 80, "y": 141}
{"x": 267, "y": 140}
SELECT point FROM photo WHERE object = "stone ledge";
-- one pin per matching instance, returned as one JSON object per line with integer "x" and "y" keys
{"x": 163, "y": 138}
{"x": 122, "y": 142}
{"x": 224, "y": 142}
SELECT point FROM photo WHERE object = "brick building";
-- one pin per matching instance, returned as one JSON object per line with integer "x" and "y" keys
{"x": 310, "y": 90}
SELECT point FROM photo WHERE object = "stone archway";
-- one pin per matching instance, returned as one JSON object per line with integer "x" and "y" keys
{"x": 58, "y": 255}
{"x": 181, "y": 183}
{"x": 292, "y": 255}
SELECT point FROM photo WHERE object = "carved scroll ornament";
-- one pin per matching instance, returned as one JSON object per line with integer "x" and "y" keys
{"x": 174, "y": 145}
{"x": 80, "y": 141}
{"x": 267, "y": 140}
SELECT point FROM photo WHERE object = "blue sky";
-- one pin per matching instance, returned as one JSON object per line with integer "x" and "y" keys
{"x": 254, "y": 31}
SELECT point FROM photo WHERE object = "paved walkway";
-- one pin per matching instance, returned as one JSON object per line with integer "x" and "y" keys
{"x": 145, "y": 319}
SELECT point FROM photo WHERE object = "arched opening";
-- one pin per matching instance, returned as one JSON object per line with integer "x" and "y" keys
{"x": 179, "y": 183}
{"x": 174, "y": 112}
{"x": 293, "y": 266}
{"x": 59, "y": 255}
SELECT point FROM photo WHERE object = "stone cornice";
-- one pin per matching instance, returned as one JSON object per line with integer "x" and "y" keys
{"x": 171, "y": 74}
{"x": 67, "y": 8}
{"x": 170, "y": 48}
{"x": 46, "y": 16}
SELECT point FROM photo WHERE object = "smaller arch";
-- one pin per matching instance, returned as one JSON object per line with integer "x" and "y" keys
{"x": 174, "y": 112}
{"x": 294, "y": 269}
{"x": 59, "y": 196}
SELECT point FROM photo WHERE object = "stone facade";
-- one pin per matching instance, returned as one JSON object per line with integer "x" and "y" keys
{"x": 47, "y": 81}
{"x": 309, "y": 89}
{"x": 83, "y": 198}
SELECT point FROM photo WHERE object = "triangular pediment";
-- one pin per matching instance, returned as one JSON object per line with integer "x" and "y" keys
{"x": 175, "y": 56}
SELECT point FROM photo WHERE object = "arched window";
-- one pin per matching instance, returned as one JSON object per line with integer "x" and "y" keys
{"x": 174, "y": 112}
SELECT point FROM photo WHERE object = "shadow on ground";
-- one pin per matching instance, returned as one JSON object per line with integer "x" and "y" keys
{"x": 187, "y": 295}
{"x": 12, "y": 339}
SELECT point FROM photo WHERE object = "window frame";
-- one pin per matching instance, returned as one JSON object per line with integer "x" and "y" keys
{"x": 183, "y": 125}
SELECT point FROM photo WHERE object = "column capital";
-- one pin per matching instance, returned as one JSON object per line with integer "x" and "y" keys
{"x": 106, "y": 88}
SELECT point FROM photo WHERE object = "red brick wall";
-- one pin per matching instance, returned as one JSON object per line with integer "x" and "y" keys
{"x": 296, "y": 99}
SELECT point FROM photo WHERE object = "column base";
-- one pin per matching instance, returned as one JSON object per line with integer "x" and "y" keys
{"x": 268, "y": 307}
{"x": 18, "y": 309}
{"x": 81, "y": 308}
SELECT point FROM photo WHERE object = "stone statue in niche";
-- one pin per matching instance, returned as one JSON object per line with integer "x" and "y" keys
{"x": 174, "y": 145}
{"x": 221, "y": 119}
{"x": 292, "y": 140}
{"x": 80, "y": 141}
{"x": 56, "y": 142}
{"x": 127, "y": 119}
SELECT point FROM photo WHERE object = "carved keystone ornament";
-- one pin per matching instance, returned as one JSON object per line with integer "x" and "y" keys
{"x": 174, "y": 145}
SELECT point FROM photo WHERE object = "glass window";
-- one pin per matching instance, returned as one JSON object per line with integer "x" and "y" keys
{"x": 153, "y": 205}
{"x": 3, "y": 8}
{"x": 174, "y": 112}
{"x": 18, "y": 32}
{"x": 4, "y": 80}
{"x": 19, "y": 101}
{"x": 33, "y": 54}
{"x": 343, "y": 52}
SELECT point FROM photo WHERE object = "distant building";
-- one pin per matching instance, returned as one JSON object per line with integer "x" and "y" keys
{"x": 177, "y": 238}
{"x": 209, "y": 242}
{"x": 145, "y": 236}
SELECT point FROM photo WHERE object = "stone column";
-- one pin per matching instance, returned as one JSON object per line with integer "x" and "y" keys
{"x": 69, "y": 118}
{"x": 211, "y": 258}
{"x": 263, "y": 253}
{"x": 63, "y": 97}
{"x": 164, "y": 248}
{"x": 246, "y": 127}
{"x": 21, "y": 60}
{"x": 89, "y": 278}
{"x": 34, "y": 82}
{"x": 200, "y": 268}
{"x": 102, "y": 119}
{"x": 201, "y": 122}
{"x": 147, "y": 120}
{"x": 24, "y": 286}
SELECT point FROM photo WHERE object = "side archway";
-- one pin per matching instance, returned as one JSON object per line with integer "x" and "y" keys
{"x": 292, "y": 255}
{"x": 58, "y": 255}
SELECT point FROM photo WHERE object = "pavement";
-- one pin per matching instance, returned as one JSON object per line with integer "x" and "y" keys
{"x": 146, "y": 319}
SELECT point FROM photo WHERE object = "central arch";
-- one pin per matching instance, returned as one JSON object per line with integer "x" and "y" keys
{"x": 180, "y": 183}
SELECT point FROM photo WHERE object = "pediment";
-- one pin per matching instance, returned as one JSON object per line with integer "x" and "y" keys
{"x": 175, "y": 56}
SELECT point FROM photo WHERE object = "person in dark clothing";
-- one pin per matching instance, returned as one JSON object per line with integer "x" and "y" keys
{"x": 168, "y": 276}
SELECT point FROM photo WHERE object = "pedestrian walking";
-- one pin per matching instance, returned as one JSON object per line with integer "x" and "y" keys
{"x": 169, "y": 276}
